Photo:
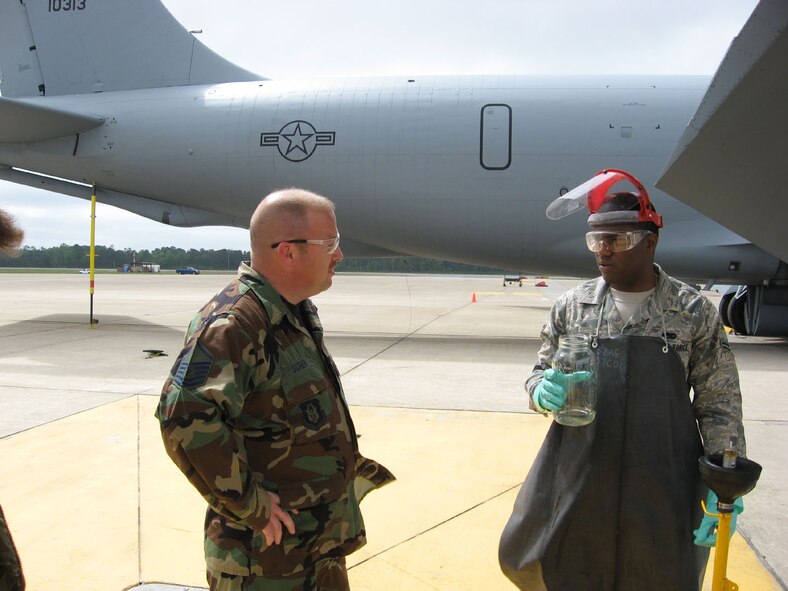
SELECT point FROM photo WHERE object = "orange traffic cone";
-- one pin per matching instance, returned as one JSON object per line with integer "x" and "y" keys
{"x": 473, "y": 299}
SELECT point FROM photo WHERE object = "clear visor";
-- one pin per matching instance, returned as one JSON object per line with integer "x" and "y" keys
{"x": 585, "y": 195}
{"x": 593, "y": 193}
{"x": 615, "y": 241}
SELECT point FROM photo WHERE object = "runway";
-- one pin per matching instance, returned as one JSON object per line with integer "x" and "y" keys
{"x": 434, "y": 381}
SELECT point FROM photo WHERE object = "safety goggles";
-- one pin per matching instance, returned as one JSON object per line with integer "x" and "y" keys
{"x": 330, "y": 244}
{"x": 615, "y": 241}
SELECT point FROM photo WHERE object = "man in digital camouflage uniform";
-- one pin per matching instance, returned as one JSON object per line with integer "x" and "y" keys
{"x": 612, "y": 505}
{"x": 254, "y": 414}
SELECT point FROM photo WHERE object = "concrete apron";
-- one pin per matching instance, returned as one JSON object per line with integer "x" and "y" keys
{"x": 127, "y": 515}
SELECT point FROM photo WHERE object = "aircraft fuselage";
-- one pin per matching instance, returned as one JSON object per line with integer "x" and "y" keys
{"x": 460, "y": 168}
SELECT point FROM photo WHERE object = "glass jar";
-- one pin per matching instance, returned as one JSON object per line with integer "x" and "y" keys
{"x": 575, "y": 355}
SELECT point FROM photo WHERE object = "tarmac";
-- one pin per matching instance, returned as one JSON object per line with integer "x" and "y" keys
{"x": 433, "y": 369}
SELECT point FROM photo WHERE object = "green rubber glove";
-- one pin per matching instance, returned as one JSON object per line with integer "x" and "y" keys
{"x": 706, "y": 534}
{"x": 550, "y": 393}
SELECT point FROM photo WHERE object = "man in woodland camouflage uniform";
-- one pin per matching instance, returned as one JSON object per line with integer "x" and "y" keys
{"x": 254, "y": 414}
{"x": 612, "y": 505}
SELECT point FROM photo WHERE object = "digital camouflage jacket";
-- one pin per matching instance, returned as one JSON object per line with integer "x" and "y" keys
{"x": 689, "y": 324}
{"x": 254, "y": 404}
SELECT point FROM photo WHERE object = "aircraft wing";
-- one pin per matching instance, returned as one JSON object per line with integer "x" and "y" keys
{"x": 25, "y": 122}
{"x": 154, "y": 209}
{"x": 730, "y": 162}
{"x": 162, "y": 211}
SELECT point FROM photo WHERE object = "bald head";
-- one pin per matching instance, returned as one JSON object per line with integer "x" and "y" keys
{"x": 282, "y": 215}
{"x": 297, "y": 269}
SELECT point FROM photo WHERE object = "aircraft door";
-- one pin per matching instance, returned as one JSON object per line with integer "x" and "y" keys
{"x": 496, "y": 137}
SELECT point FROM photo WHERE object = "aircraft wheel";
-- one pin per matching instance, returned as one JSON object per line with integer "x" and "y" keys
{"x": 736, "y": 314}
{"x": 724, "y": 303}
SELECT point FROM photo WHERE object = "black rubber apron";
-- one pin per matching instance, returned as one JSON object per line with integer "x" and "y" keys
{"x": 611, "y": 506}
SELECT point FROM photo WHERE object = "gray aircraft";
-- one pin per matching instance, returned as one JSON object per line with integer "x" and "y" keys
{"x": 119, "y": 95}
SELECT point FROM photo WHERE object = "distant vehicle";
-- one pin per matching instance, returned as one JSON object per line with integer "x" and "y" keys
{"x": 135, "y": 267}
{"x": 512, "y": 279}
{"x": 187, "y": 271}
{"x": 84, "y": 271}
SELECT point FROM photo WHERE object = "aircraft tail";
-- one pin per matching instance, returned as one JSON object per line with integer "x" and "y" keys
{"x": 57, "y": 47}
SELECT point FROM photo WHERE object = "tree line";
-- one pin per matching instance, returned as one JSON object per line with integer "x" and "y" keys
{"x": 76, "y": 256}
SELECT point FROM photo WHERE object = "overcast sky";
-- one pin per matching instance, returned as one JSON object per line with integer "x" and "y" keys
{"x": 324, "y": 38}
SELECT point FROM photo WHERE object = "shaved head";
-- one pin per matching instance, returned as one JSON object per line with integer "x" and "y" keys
{"x": 282, "y": 215}
{"x": 298, "y": 223}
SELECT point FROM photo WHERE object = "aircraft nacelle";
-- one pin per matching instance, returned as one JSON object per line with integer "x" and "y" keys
{"x": 756, "y": 310}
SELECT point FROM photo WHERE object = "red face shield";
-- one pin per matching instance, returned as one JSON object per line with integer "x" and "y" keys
{"x": 595, "y": 192}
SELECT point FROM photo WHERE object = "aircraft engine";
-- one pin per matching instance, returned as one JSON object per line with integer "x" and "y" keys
{"x": 756, "y": 310}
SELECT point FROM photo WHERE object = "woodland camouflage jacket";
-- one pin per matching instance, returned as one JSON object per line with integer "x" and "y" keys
{"x": 254, "y": 404}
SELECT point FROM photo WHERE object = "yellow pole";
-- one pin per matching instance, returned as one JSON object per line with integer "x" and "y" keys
{"x": 718, "y": 580}
{"x": 92, "y": 250}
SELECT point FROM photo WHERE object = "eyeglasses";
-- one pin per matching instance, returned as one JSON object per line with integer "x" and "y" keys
{"x": 330, "y": 244}
{"x": 615, "y": 241}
